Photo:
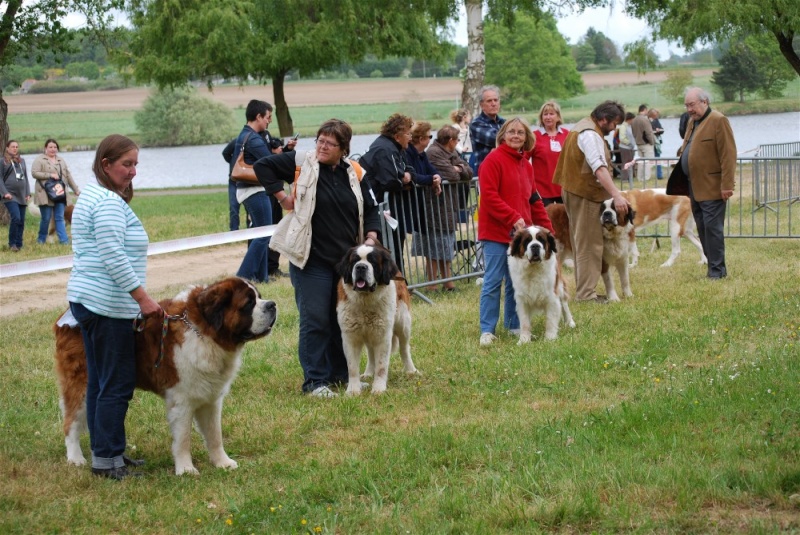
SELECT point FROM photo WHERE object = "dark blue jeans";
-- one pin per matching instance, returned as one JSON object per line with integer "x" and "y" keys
{"x": 320, "y": 342}
{"x": 233, "y": 206}
{"x": 111, "y": 364}
{"x": 254, "y": 264}
{"x": 17, "y": 226}
{"x": 44, "y": 224}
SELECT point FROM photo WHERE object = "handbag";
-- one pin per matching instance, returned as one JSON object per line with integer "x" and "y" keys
{"x": 242, "y": 172}
{"x": 55, "y": 191}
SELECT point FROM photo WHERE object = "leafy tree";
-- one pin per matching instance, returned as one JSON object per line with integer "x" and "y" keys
{"x": 690, "y": 22}
{"x": 774, "y": 72}
{"x": 532, "y": 62}
{"x": 605, "y": 51}
{"x": 641, "y": 54}
{"x": 676, "y": 83}
{"x": 83, "y": 69}
{"x": 584, "y": 55}
{"x": 738, "y": 72}
{"x": 266, "y": 39}
{"x": 182, "y": 117}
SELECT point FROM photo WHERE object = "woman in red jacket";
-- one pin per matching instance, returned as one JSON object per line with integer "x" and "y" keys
{"x": 508, "y": 202}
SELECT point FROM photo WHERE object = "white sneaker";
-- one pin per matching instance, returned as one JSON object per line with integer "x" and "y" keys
{"x": 487, "y": 339}
{"x": 323, "y": 392}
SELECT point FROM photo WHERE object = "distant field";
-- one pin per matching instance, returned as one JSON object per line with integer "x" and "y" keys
{"x": 79, "y": 120}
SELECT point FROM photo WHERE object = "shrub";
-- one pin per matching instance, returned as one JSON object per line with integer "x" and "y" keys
{"x": 677, "y": 82}
{"x": 182, "y": 117}
{"x": 58, "y": 86}
{"x": 376, "y": 74}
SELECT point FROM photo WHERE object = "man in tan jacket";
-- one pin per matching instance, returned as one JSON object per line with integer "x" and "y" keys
{"x": 706, "y": 173}
{"x": 582, "y": 172}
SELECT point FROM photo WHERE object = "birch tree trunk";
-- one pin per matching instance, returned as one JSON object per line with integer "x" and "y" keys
{"x": 476, "y": 59}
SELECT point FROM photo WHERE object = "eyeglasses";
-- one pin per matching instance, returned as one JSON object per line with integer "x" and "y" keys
{"x": 689, "y": 105}
{"x": 325, "y": 143}
{"x": 520, "y": 133}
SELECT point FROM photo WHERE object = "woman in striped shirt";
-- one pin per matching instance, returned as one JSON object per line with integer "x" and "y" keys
{"x": 106, "y": 290}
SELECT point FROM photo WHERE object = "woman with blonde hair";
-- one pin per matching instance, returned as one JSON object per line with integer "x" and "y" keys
{"x": 550, "y": 138}
{"x": 461, "y": 119}
{"x": 509, "y": 202}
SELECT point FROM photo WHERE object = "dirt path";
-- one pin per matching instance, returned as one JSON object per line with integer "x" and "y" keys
{"x": 171, "y": 272}
{"x": 302, "y": 93}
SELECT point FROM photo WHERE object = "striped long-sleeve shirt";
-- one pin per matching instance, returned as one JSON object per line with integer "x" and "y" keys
{"x": 110, "y": 254}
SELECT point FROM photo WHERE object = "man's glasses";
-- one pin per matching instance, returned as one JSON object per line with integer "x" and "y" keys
{"x": 325, "y": 143}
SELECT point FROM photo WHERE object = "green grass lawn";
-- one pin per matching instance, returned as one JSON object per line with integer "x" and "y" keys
{"x": 675, "y": 411}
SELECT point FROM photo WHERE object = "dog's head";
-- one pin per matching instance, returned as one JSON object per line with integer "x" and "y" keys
{"x": 365, "y": 267}
{"x": 534, "y": 243}
{"x": 232, "y": 311}
{"x": 610, "y": 217}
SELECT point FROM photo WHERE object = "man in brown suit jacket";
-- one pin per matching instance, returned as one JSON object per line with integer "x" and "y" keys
{"x": 706, "y": 173}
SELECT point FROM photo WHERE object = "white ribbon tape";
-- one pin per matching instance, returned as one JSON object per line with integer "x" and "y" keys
{"x": 184, "y": 244}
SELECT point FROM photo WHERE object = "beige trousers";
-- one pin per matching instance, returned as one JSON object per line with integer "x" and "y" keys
{"x": 586, "y": 234}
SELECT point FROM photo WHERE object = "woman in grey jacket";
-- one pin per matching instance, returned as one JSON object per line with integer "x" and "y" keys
{"x": 15, "y": 192}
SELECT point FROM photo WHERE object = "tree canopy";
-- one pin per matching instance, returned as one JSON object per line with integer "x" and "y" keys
{"x": 211, "y": 39}
{"x": 531, "y": 62}
{"x": 690, "y": 22}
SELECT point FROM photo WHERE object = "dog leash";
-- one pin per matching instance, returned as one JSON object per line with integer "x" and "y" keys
{"x": 138, "y": 326}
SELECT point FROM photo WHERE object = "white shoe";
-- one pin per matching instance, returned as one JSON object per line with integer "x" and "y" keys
{"x": 323, "y": 392}
{"x": 487, "y": 339}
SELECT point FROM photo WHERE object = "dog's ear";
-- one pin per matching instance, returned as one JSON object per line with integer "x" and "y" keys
{"x": 631, "y": 215}
{"x": 551, "y": 246}
{"x": 213, "y": 301}
{"x": 385, "y": 267}
{"x": 345, "y": 267}
{"x": 517, "y": 247}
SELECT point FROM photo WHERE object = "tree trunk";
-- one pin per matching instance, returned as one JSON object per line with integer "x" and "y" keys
{"x": 785, "y": 39}
{"x": 4, "y": 134}
{"x": 476, "y": 59}
{"x": 285, "y": 125}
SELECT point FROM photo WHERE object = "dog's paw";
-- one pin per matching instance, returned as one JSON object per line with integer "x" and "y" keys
{"x": 76, "y": 461}
{"x": 524, "y": 338}
{"x": 190, "y": 469}
{"x": 227, "y": 463}
{"x": 571, "y": 324}
{"x": 413, "y": 372}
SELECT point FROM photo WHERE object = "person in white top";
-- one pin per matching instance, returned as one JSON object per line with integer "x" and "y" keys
{"x": 106, "y": 291}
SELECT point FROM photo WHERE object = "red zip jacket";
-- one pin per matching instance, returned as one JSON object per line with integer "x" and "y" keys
{"x": 506, "y": 185}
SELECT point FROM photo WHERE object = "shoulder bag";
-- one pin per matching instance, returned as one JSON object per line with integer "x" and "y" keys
{"x": 54, "y": 187}
{"x": 242, "y": 172}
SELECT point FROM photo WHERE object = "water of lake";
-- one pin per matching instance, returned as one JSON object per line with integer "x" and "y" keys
{"x": 204, "y": 166}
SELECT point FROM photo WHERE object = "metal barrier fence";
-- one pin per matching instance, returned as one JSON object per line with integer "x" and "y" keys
{"x": 779, "y": 150}
{"x": 771, "y": 184}
{"x": 434, "y": 238}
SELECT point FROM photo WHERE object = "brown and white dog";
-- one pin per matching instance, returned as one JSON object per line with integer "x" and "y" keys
{"x": 374, "y": 310}
{"x": 653, "y": 206}
{"x": 201, "y": 357}
{"x": 538, "y": 285}
{"x": 619, "y": 236}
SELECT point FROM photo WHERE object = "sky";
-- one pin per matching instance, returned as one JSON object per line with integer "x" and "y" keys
{"x": 614, "y": 24}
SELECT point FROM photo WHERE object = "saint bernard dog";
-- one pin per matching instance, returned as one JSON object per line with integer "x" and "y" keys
{"x": 374, "y": 310}
{"x": 653, "y": 206}
{"x": 560, "y": 221}
{"x": 538, "y": 285}
{"x": 619, "y": 236}
{"x": 207, "y": 329}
